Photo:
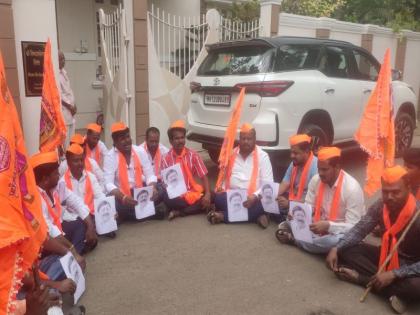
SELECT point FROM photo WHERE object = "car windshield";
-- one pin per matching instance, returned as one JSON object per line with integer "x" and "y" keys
{"x": 237, "y": 60}
{"x": 296, "y": 57}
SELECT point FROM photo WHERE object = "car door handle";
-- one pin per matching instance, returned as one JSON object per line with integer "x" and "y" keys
{"x": 366, "y": 91}
{"x": 329, "y": 91}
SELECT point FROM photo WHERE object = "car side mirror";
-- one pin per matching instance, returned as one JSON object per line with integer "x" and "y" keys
{"x": 396, "y": 75}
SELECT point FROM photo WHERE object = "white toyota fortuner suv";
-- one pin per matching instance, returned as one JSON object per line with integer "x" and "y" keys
{"x": 293, "y": 84}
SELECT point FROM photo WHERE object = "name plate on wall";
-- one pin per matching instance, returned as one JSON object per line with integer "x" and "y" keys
{"x": 33, "y": 65}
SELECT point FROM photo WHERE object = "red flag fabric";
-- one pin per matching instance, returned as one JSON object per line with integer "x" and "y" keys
{"x": 52, "y": 130}
{"x": 376, "y": 133}
{"x": 229, "y": 140}
{"x": 22, "y": 226}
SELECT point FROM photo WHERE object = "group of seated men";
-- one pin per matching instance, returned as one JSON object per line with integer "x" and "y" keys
{"x": 69, "y": 187}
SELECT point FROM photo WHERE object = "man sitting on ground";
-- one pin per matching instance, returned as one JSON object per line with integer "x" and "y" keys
{"x": 303, "y": 167}
{"x": 126, "y": 167}
{"x": 81, "y": 232}
{"x": 249, "y": 166}
{"x": 198, "y": 197}
{"x": 412, "y": 164}
{"x": 95, "y": 148}
{"x": 358, "y": 262}
{"x": 83, "y": 183}
{"x": 154, "y": 149}
{"x": 337, "y": 202}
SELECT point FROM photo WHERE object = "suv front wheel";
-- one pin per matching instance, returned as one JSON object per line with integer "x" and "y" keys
{"x": 318, "y": 135}
{"x": 404, "y": 129}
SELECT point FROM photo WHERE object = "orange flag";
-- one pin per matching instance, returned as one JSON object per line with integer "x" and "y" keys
{"x": 376, "y": 133}
{"x": 52, "y": 131}
{"x": 229, "y": 140}
{"x": 22, "y": 226}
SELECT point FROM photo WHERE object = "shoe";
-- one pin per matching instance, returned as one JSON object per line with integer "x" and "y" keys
{"x": 397, "y": 304}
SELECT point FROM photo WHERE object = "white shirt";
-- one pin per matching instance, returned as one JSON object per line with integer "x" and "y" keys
{"x": 67, "y": 96}
{"x": 163, "y": 151}
{"x": 111, "y": 169}
{"x": 79, "y": 188}
{"x": 242, "y": 170}
{"x": 103, "y": 150}
{"x": 351, "y": 207}
{"x": 74, "y": 207}
{"x": 96, "y": 170}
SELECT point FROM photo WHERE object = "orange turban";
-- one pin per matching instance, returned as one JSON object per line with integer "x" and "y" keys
{"x": 78, "y": 139}
{"x": 246, "y": 127}
{"x": 43, "y": 158}
{"x": 300, "y": 138}
{"x": 393, "y": 174}
{"x": 118, "y": 126}
{"x": 94, "y": 127}
{"x": 178, "y": 124}
{"x": 75, "y": 149}
{"x": 327, "y": 153}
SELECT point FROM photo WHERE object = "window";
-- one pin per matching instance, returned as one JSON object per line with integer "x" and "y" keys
{"x": 366, "y": 68}
{"x": 237, "y": 60}
{"x": 334, "y": 62}
{"x": 296, "y": 57}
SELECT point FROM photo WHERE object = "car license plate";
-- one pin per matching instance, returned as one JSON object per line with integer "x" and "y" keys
{"x": 217, "y": 99}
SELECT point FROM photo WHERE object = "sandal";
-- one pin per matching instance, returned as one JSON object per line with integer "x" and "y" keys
{"x": 214, "y": 217}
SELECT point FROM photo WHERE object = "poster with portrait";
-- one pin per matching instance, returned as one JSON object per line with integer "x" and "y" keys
{"x": 73, "y": 271}
{"x": 105, "y": 215}
{"x": 302, "y": 218}
{"x": 174, "y": 180}
{"x": 145, "y": 207}
{"x": 269, "y": 192}
{"x": 236, "y": 210}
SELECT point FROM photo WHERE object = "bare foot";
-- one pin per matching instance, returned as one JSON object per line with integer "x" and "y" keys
{"x": 284, "y": 236}
{"x": 263, "y": 221}
{"x": 215, "y": 217}
{"x": 348, "y": 275}
{"x": 173, "y": 214}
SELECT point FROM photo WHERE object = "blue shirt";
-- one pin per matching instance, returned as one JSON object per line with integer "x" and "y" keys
{"x": 313, "y": 170}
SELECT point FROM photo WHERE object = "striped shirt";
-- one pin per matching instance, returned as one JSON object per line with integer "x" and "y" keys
{"x": 193, "y": 161}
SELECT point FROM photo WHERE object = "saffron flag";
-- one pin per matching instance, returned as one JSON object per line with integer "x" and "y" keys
{"x": 229, "y": 140}
{"x": 376, "y": 134}
{"x": 22, "y": 226}
{"x": 52, "y": 129}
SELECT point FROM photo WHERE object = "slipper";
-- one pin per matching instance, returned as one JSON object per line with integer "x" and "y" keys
{"x": 353, "y": 278}
{"x": 397, "y": 304}
{"x": 285, "y": 232}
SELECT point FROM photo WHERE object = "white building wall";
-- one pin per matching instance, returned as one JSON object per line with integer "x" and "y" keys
{"x": 412, "y": 62}
{"x": 34, "y": 20}
{"x": 380, "y": 43}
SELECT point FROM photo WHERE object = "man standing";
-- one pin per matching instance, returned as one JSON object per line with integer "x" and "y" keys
{"x": 337, "y": 201}
{"x": 95, "y": 148}
{"x": 81, "y": 232}
{"x": 81, "y": 182}
{"x": 69, "y": 108}
{"x": 249, "y": 166}
{"x": 303, "y": 167}
{"x": 154, "y": 149}
{"x": 197, "y": 197}
{"x": 355, "y": 261}
{"x": 126, "y": 167}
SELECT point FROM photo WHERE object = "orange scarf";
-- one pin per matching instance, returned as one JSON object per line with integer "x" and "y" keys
{"x": 88, "y": 190}
{"x": 255, "y": 170}
{"x": 335, "y": 202}
{"x": 89, "y": 154}
{"x": 195, "y": 194}
{"x": 123, "y": 172}
{"x": 302, "y": 181}
{"x": 55, "y": 214}
{"x": 392, "y": 230}
{"x": 156, "y": 160}
{"x": 88, "y": 165}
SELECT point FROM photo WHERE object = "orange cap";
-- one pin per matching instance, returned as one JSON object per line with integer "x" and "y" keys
{"x": 43, "y": 158}
{"x": 178, "y": 124}
{"x": 327, "y": 153}
{"x": 299, "y": 138}
{"x": 94, "y": 127}
{"x": 393, "y": 174}
{"x": 246, "y": 127}
{"x": 118, "y": 126}
{"x": 78, "y": 139}
{"x": 75, "y": 149}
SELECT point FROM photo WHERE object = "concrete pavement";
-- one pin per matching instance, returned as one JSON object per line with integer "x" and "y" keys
{"x": 189, "y": 267}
